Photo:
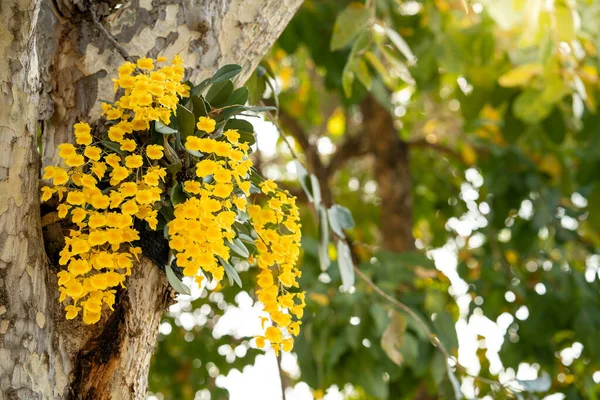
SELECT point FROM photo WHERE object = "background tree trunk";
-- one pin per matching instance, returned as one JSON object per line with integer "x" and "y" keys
{"x": 57, "y": 82}
{"x": 392, "y": 174}
{"x": 394, "y": 186}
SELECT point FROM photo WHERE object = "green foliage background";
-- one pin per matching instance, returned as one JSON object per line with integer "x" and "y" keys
{"x": 498, "y": 107}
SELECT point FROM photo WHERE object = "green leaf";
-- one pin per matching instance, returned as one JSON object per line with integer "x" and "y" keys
{"x": 565, "y": 27}
{"x": 114, "y": 147}
{"x": 199, "y": 88}
{"x": 400, "y": 44}
{"x": 324, "y": 260}
{"x": 445, "y": 328}
{"x": 594, "y": 207}
{"x": 245, "y": 238}
{"x": 199, "y": 107}
{"x": 393, "y": 337}
{"x": 173, "y": 169}
{"x": 520, "y": 75}
{"x": 554, "y": 90}
{"x": 176, "y": 194}
{"x": 379, "y": 67}
{"x": 347, "y": 81}
{"x": 362, "y": 72}
{"x": 304, "y": 179}
{"x": 396, "y": 65}
{"x": 179, "y": 286}
{"x": 348, "y": 74}
{"x": 438, "y": 367}
{"x": 360, "y": 45}
{"x": 410, "y": 349}
{"x": 262, "y": 108}
{"x": 195, "y": 153}
{"x": 226, "y": 72}
{"x": 231, "y": 272}
{"x": 415, "y": 259}
{"x": 168, "y": 212}
{"x": 244, "y": 128}
{"x": 256, "y": 86}
{"x": 379, "y": 313}
{"x": 345, "y": 264}
{"x": 238, "y": 247}
{"x": 164, "y": 129}
{"x": 348, "y": 24}
{"x": 340, "y": 218}
{"x": 187, "y": 122}
{"x": 530, "y": 107}
{"x": 241, "y": 125}
{"x": 554, "y": 126}
{"x": 226, "y": 113}
{"x": 238, "y": 96}
{"x": 513, "y": 126}
{"x": 219, "y": 93}
{"x": 315, "y": 190}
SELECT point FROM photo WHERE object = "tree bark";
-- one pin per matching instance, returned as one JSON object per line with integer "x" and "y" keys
{"x": 392, "y": 174}
{"x": 55, "y": 76}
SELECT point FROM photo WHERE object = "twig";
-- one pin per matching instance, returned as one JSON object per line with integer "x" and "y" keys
{"x": 353, "y": 146}
{"x": 281, "y": 376}
{"x": 283, "y": 136}
{"x": 120, "y": 49}
{"x": 424, "y": 144}
{"x": 435, "y": 341}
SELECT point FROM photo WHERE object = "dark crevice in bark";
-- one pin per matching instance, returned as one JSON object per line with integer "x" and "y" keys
{"x": 95, "y": 364}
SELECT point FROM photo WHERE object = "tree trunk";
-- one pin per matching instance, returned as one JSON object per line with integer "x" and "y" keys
{"x": 392, "y": 174}
{"x": 58, "y": 82}
{"x": 394, "y": 187}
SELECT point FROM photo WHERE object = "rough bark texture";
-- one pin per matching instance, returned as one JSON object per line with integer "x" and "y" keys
{"x": 78, "y": 62}
{"x": 392, "y": 174}
{"x": 42, "y": 355}
{"x": 113, "y": 363}
{"x": 26, "y": 348}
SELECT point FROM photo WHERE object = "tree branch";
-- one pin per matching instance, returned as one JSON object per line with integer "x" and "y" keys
{"x": 354, "y": 146}
{"x": 299, "y": 134}
{"x": 424, "y": 144}
{"x": 435, "y": 341}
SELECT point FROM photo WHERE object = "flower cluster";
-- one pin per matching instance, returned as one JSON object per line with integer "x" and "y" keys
{"x": 111, "y": 181}
{"x": 278, "y": 230}
{"x": 103, "y": 191}
{"x": 150, "y": 96}
{"x": 203, "y": 224}
{"x": 203, "y": 228}
{"x": 102, "y": 194}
